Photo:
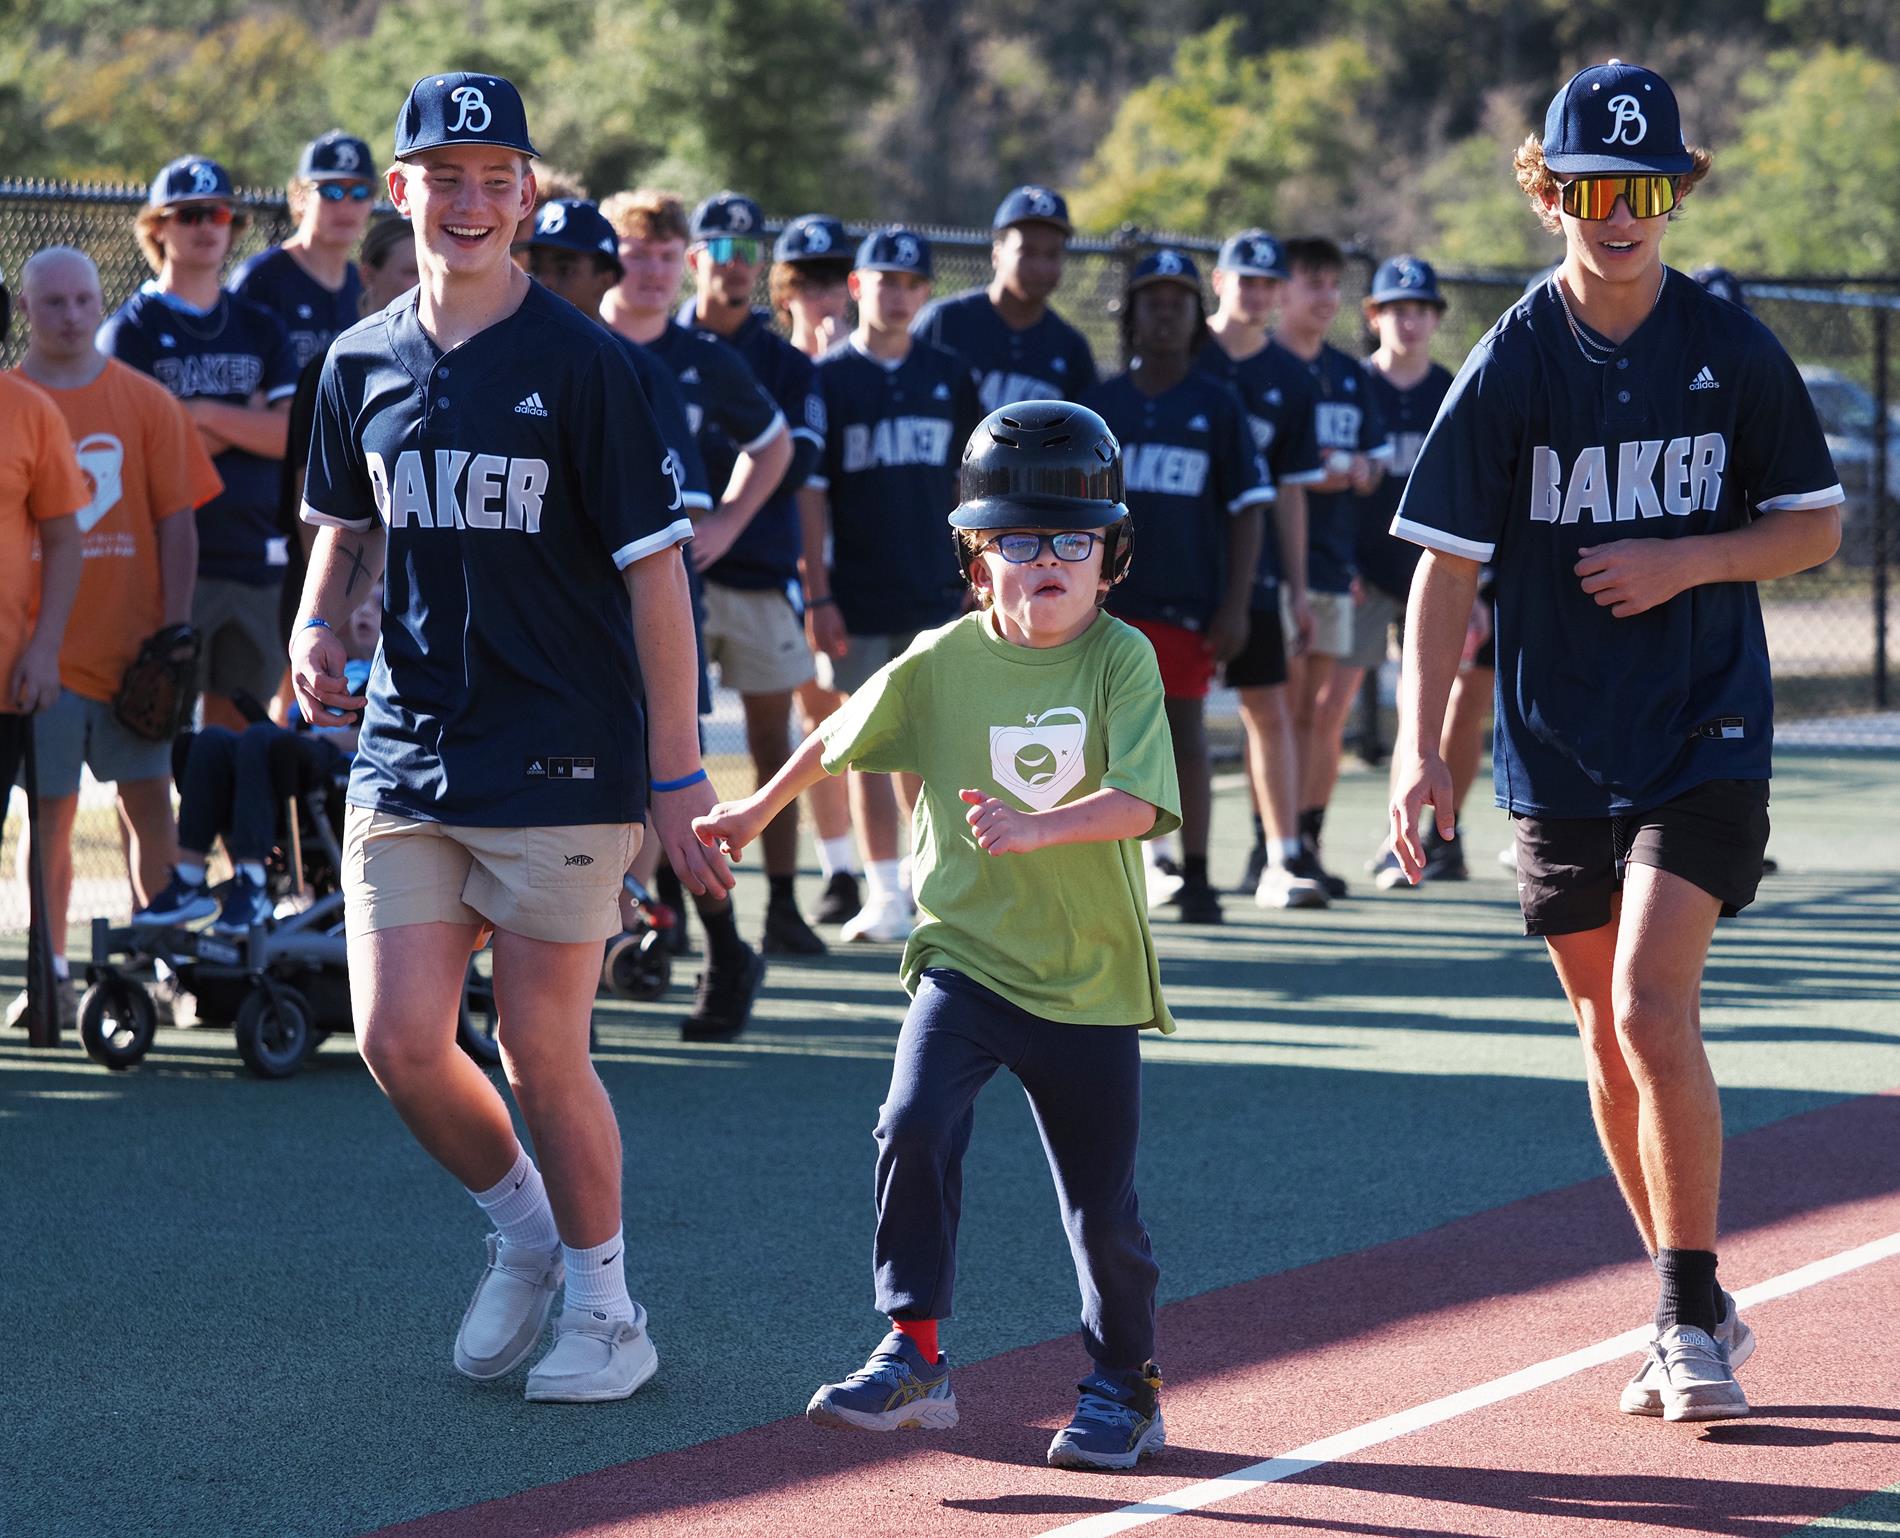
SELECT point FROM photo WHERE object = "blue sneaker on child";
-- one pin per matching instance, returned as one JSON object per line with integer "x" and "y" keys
{"x": 1117, "y": 1422}
{"x": 896, "y": 1390}
{"x": 245, "y": 904}
{"x": 182, "y": 902}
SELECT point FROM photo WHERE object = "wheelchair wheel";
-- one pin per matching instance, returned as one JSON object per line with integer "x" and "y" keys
{"x": 475, "y": 1026}
{"x": 274, "y": 1035}
{"x": 117, "y": 1021}
{"x": 638, "y": 967}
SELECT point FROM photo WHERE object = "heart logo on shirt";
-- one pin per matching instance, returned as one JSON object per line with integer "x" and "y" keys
{"x": 1040, "y": 763}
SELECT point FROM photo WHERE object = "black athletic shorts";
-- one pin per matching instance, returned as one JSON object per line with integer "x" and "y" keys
{"x": 1713, "y": 836}
{"x": 1261, "y": 663}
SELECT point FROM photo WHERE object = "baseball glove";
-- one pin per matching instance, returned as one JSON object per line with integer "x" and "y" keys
{"x": 160, "y": 687}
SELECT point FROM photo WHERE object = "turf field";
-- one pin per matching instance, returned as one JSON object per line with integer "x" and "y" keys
{"x": 1367, "y": 1166}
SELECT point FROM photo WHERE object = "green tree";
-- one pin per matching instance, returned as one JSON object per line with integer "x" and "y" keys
{"x": 1813, "y": 183}
{"x": 1227, "y": 138}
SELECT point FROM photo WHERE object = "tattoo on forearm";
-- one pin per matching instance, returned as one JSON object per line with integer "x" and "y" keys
{"x": 358, "y": 568}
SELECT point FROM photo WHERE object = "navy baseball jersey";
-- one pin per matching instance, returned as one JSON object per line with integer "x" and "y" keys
{"x": 765, "y": 555}
{"x": 1344, "y": 419}
{"x": 1385, "y": 560}
{"x": 1188, "y": 465}
{"x": 231, "y": 353}
{"x": 662, "y": 392}
{"x": 1695, "y": 424}
{"x": 1278, "y": 395}
{"x": 1047, "y": 361}
{"x": 311, "y": 313}
{"x": 893, "y": 439}
{"x": 516, "y": 476}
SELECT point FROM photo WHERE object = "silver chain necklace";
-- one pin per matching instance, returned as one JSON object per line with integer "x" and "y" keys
{"x": 1595, "y": 351}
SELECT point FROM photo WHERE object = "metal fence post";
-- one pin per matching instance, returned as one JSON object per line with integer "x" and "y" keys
{"x": 1881, "y": 510}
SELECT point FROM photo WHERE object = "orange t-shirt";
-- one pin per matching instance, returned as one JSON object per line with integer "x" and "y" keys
{"x": 143, "y": 461}
{"x": 39, "y": 481}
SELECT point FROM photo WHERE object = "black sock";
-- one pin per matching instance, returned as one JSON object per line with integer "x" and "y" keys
{"x": 667, "y": 888}
{"x": 1311, "y": 821}
{"x": 782, "y": 893}
{"x": 1687, "y": 1294}
{"x": 1259, "y": 832}
{"x": 1194, "y": 869}
{"x": 723, "y": 945}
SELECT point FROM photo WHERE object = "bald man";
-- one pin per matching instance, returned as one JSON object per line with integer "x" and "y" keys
{"x": 144, "y": 464}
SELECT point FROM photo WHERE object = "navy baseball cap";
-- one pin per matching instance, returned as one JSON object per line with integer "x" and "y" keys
{"x": 1165, "y": 266}
{"x": 1722, "y": 283}
{"x": 192, "y": 179}
{"x": 727, "y": 213}
{"x": 576, "y": 224}
{"x": 894, "y": 250}
{"x": 1615, "y": 117}
{"x": 813, "y": 238}
{"x": 336, "y": 156}
{"x": 1033, "y": 205}
{"x": 1252, "y": 254}
{"x": 462, "y": 108}
{"x": 1405, "y": 277}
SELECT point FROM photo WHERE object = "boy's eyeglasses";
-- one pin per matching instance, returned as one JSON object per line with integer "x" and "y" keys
{"x": 734, "y": 248}
{"x": 201, "y": 213}
{"x": 336, "y": 192}
{"x": 1020, "y": 549}
{"x": 1594, "y": 197}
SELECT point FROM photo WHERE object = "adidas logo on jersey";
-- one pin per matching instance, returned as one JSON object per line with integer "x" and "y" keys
{"x": 941, "y": 393}
{"x": 1197, "y": 423}
{"x": 689, "y": 376}
{"x": 531, "y": 406}
{"x": 1704, "y": 380}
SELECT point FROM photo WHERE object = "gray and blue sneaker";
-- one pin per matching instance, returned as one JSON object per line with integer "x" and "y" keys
{"x": 896, "y": 1390}
{"x": 246, "y": 904}
{"x": 182, "y": 902}
{"x": 1117, "y": 1422}
{"x": 1650, "y": 1391}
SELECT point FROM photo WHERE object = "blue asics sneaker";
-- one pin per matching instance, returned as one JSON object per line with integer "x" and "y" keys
{"x": 1116, "y": 1423}
{"x": 897, "y": 1390}
{"x": 182, "y": 902}
{"x": 245, "y": 904}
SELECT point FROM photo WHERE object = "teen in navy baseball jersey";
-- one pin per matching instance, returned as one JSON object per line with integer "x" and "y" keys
{"x": 309, "y": 282}
{"x": 1352, "y": 443}
{"x": 231, "y": 364}
{"x": 755, "y": 627}
{"x": 1020, "y": 348}
{"x": 895, "y": 412}
{"x": 1278, "y": 395}
{"x": 737, "y": 424}
{"x": 487, "y": 450}
{"x": 1635, "y": 455}
{"x": 1195, "y": 492}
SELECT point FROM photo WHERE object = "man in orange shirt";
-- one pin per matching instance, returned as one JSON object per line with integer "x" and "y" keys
{"x": 40, "y": 492}
{"x": 144, "y": 464}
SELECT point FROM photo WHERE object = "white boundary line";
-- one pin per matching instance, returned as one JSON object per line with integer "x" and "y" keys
{"x": 1330, "y": 1449}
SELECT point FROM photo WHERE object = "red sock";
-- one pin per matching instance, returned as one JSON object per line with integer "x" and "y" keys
{"x": 923, "y": 1335}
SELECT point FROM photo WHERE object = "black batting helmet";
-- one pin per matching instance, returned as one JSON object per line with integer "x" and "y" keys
{"x": 1045, "y": 465}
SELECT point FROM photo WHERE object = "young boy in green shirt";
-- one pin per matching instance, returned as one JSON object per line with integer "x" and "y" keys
{"x": 1038, "y": 727}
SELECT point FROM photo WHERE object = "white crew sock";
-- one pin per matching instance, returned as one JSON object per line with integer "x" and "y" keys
{"x": 885, "y": 877}
{"x": 252, "y": 871}
{"x": 838, "y": 854}
{"x": 597, "y": 1278}
{"x": 518, "y": 1207}
{"x": 191, "y": 875}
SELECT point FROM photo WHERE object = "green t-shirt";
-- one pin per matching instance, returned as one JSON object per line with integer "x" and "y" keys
{"x": 1060, "y": 932}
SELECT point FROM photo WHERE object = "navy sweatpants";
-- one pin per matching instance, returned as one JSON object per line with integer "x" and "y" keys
{"x": 1084, "y": 1086}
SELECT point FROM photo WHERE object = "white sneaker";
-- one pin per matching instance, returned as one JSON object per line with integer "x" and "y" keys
{"x": 594, "y": 1359}
{"x": 886, "y": 916}
{"x": 509, "y": 1310}
{"x": 1280, "y": 888}
{"x": 1163, "y": 883}
{"x": 1643, "y": 1394}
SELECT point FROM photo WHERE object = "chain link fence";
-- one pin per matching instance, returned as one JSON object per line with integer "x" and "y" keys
{"x": 1833, "y": 648}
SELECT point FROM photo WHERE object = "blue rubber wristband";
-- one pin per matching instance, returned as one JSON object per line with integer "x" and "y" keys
{"x": 694, "y": 778}
{"x": 320, "y": 624}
